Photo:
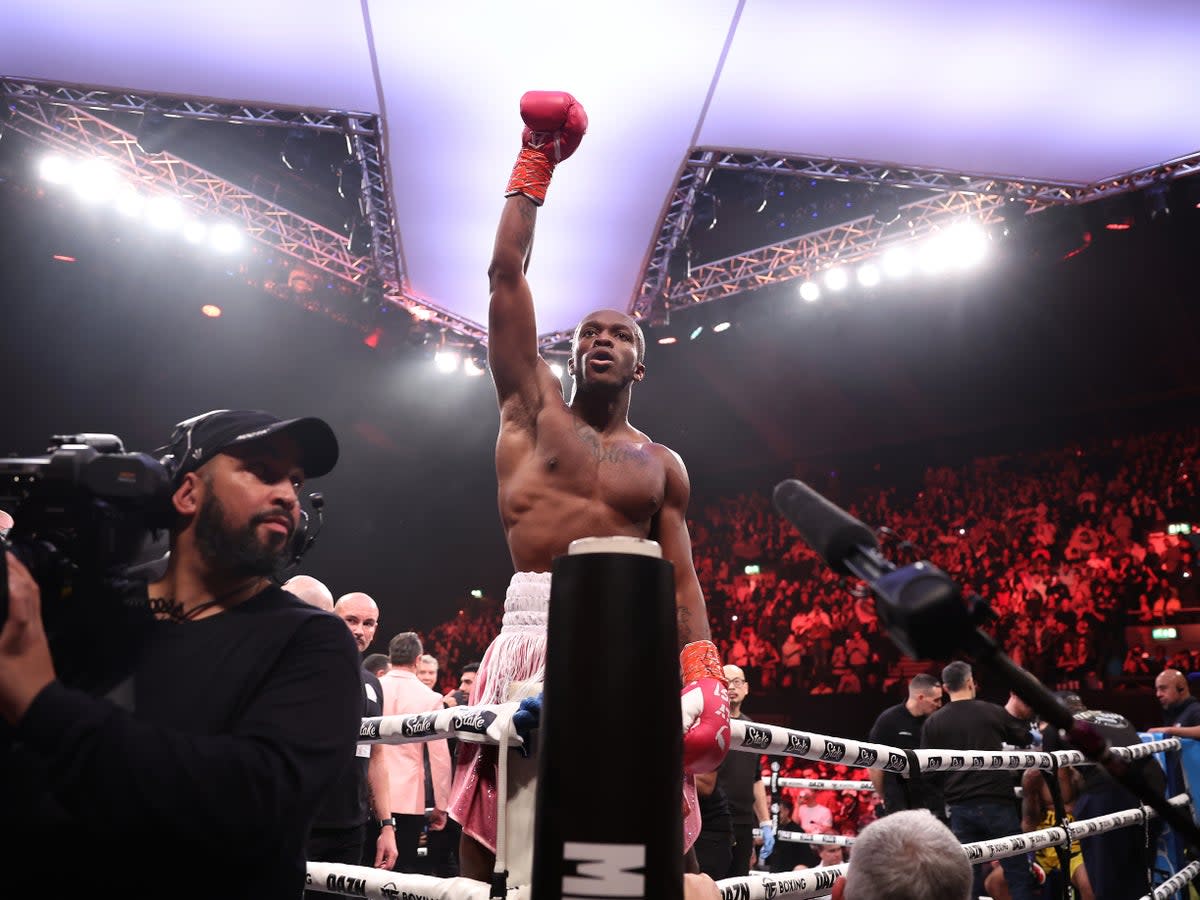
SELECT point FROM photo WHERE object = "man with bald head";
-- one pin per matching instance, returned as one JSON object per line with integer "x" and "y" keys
{"x": 1181, "y": 710}
{"x": 311, "y": 591}
{"x": 568, "y": 470}
{"x": 355, "y": 807}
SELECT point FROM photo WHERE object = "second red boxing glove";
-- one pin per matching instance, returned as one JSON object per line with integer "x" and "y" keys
{"x": 704, "y": 703}
{"x": 555, "y": 123}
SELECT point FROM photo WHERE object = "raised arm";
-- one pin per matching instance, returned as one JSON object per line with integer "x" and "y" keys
{"x": 554, "y": 125}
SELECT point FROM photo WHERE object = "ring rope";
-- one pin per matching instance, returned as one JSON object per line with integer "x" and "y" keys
{"x": 383, "y": 884}
{"x": 753, "y": 737}
{"x": 822, "y": 784}
{"x": 1184, "y": 876}
{"x": 483, "y": 724}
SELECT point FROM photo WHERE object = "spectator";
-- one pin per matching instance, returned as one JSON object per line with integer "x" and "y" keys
{"x": 906, "y": 856}
{"x": 411, "y": 793}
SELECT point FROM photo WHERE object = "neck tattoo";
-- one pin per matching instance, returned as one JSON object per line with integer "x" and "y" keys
{"x": 169, "y": 609}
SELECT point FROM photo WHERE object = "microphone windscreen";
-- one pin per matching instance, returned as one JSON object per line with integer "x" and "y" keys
{"x": 828, "y": 529}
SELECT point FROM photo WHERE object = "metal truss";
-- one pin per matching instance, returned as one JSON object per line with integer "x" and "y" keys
{"x": 63, "y": 116}
{"x": 849, "y": 242}
{"x": 954, "y": 195}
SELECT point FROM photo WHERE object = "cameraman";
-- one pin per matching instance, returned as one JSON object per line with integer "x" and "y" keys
{"x": 198, "y": 775}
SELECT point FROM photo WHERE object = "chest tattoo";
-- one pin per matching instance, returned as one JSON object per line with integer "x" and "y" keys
{"x": 617, "y": 453}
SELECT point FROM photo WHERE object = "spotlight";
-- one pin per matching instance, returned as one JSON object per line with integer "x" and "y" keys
{"x": 721, "y": 326}
{"x": 897, "y": 262}
{"x": 868, "y": 275}
{"x": 297, "y": 150}
{"x": 446, "y": 361}
{"x": 224, "y": 237}
{"x": 809, "y": 291}
{"x": 152, "y": 132}
{"x": 56, "y": 169}
{"x": 836, "y": 279}
{"x": 696, "y": 332}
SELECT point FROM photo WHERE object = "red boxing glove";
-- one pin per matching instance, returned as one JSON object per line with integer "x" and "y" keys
{"x": 705, "y": 705}
{"x": 554, "y": 125}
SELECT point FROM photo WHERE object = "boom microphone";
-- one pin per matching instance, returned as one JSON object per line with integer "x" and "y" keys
{"x": 831, "y": 531}
{"x": 924, "y": 613}
{"x": 919, "y": 605}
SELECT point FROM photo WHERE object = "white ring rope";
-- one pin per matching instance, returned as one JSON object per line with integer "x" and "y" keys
{"x": 484, "y": 724}
{"x": 804, "y": 883}
{"x": 822, "y": 784}
{"x": 753, "y": 737}
{"x": 382, "y": 884}
{"x": 1184, "y": 876}
{"x": 753, "y": 887}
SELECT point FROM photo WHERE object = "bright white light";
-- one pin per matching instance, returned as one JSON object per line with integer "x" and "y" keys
{"x": 195, "y": 232}
{"x": 897, "y": 262}
{"x": 809, "y": 291}
{"x": 55, "y": 169}
{"x": 933, "y": 256}
{"x": 966, "y": 245}
{"x": 128, "y": 201}
{"x": 868, "y": 275}
{"x": 224, "y": 237}
{"x": 95, "y": 181}
{"x": 721, "y": 326}
{"x": 446, "y": 361}
{"x": 164, "y": 212}
{"x": 472, "y": 369}
{"x": 557, "y": 369}
{"x": 836, "y": 279}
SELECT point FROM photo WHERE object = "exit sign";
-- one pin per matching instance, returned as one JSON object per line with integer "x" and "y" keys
{"x": 1164, "y": 634}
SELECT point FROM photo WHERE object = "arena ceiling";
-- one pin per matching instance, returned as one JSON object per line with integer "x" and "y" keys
{"x": 963, "y": 105}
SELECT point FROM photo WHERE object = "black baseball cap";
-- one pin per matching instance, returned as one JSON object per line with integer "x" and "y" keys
{"x": 199, "y": 439}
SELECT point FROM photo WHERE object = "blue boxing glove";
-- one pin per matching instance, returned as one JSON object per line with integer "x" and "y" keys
{"x": 525, "y": 719}
{"x": 768, "y": 837}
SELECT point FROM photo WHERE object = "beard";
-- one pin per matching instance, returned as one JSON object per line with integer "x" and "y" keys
{"x": 237, "y": 551}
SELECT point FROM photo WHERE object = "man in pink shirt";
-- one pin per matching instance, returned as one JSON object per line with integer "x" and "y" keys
{"x": 411, "y": 793}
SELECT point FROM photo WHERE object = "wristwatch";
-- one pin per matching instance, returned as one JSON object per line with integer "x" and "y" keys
{"x": 390, "y": 820}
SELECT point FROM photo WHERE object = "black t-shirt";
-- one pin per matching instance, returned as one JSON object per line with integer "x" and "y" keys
{"x": 974, "y": 725}
{"x": 897, "y": 727}
{"x": 204, "y": 771}
{"x": 736, "y": 778}
{"x": 348, "y": 802}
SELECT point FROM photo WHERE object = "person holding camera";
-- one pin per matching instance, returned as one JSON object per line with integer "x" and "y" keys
{"x": 200, "y": 772}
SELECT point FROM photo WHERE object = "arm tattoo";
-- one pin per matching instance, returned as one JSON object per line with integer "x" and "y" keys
{"x": 683, "y": 624}
{"x": 525, "y": 235}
